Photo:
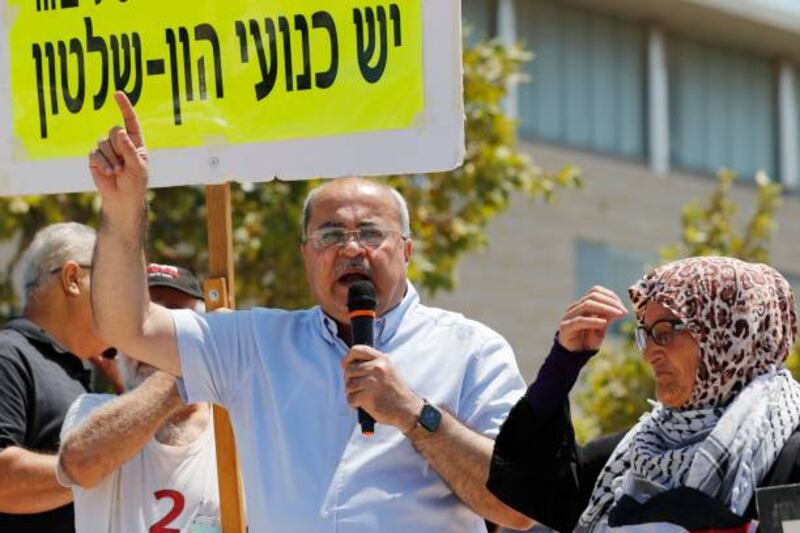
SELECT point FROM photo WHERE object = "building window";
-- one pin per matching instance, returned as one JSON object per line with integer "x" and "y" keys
{"x": 722, "y": 109}
{"x": 479, "y": 18}
{"x": 587, "y": 80}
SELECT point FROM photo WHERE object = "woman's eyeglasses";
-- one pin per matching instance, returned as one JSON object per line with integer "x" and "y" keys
{"x": 662, "y": 332}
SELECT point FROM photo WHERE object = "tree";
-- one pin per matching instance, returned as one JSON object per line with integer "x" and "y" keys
{"x": 617, "y": 382}
{"x": 449, "y": 210}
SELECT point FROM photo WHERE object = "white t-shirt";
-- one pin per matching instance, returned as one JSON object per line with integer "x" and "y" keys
{"x": 161, "y": 490}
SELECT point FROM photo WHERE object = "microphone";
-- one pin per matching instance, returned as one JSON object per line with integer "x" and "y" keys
{"x": 361, "y": 304}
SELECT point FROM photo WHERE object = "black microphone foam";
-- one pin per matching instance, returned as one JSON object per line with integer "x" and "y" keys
{"x": 361, "y": 296}
{"x": 362, "y": 302}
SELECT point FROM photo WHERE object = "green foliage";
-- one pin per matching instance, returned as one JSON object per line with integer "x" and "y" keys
{"x": 617, "y": 381}
{"x": 710, "y": 228}
{"x": 793, "y": 361}
{"x": 449, "y": 210}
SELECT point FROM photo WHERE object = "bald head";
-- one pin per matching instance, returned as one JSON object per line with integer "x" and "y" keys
{"x": 353, "y": 205}
{"x": 357, "y": 186}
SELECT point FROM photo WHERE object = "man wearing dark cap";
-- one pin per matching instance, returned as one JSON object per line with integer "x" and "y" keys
{"x": 175, "y": 287}
{"x": 143, "y": 461}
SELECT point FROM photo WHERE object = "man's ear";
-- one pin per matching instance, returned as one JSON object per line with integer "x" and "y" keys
{"x": 408, "y": 249}
{"x": 70, "y": 278}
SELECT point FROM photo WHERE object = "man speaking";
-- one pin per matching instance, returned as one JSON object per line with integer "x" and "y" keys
{"x": 438, "y": 385}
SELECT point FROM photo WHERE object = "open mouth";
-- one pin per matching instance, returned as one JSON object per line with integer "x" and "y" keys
{"x": 351, "y": 277}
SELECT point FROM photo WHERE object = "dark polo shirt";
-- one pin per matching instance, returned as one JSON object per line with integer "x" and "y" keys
{"x": 39, "y": 380}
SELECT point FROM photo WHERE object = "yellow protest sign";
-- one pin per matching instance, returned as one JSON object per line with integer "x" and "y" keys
{"x": 243, "y": 90}
{"x": 211, "y": 72}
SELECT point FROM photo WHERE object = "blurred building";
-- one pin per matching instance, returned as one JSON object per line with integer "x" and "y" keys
{"x": 650, "y": 99}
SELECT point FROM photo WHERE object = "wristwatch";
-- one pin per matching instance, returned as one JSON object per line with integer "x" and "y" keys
{"x": 429, "y": 417}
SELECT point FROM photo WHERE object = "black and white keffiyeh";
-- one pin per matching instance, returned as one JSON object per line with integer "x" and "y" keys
{"x": 745, "y": 405}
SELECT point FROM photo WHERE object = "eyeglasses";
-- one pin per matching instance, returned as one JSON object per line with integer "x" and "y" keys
{"x": 662, "y": 332}
{"x": 88, "y": 267}
{"x": 370, "y": 237}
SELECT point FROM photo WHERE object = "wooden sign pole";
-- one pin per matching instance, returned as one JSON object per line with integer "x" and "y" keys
{"x": 219, "y": 292}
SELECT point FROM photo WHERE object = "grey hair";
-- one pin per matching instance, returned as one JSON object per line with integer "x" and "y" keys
{"x": 51, "y": 247}
{"x": 402, "y": 205}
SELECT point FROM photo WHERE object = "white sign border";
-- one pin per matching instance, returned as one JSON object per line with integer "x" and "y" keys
{"x": 435, "y": 144}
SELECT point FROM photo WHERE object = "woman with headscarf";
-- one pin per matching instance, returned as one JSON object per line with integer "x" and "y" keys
{"x": 716, "y": 332}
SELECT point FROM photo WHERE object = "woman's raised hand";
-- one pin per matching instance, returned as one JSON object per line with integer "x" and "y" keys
{"x": 585, "y": 323}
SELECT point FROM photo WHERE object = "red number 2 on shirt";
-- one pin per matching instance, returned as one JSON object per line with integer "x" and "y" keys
{"x": 178, "y": 502}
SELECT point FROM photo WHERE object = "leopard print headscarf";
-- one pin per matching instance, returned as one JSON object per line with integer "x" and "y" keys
{"x": 741, "y": 314}
{"x": 745, "y": 404}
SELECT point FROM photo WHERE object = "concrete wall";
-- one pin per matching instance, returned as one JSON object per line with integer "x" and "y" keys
{"x": 529, "y": 267}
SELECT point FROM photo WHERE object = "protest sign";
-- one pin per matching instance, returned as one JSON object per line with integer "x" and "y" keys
{"x": 241, "y": 89}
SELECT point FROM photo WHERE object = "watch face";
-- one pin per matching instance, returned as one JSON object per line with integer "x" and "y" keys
{"x": 430, "y": 417}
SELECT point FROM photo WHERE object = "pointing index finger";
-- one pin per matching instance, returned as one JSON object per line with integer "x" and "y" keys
{"x": 131, "y": 120}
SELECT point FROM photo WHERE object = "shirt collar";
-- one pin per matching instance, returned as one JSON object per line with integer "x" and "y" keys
{"x": 327, "y": 326}
{"x": 74, "y": 364}
{"x": 35, "y": 332}
{"x": 386, "y": 326}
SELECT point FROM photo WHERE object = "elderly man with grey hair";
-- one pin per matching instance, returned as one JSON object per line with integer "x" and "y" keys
{"x": 42, "y": 371}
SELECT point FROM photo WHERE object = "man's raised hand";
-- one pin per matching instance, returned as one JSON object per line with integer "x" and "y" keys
{"x": 119, "y": 163}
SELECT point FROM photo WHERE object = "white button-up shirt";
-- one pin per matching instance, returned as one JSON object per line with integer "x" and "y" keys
{"x": 305, "y": 464}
